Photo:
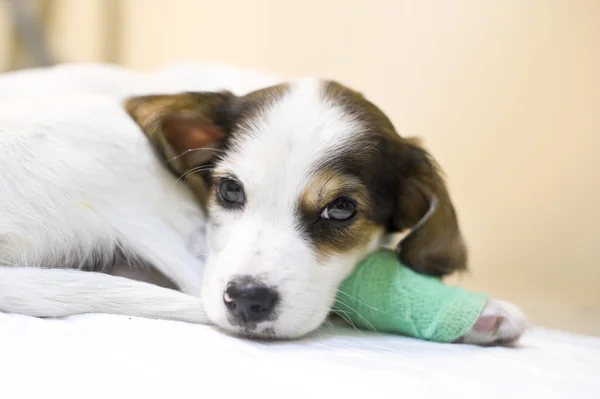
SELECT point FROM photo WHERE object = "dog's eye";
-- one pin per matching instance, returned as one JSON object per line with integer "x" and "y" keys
{"x": 342, "y": 209}
{"x": 231, "y": 193}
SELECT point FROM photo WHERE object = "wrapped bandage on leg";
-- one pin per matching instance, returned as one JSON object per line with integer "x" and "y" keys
{"x": 386, "y": 296}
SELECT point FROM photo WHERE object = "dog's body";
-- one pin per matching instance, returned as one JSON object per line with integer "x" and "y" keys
{"x": 309, "y": 178}
{"x": 77, "y": 195}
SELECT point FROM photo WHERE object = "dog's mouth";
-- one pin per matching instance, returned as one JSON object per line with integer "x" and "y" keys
{"x": 251, "y": 332}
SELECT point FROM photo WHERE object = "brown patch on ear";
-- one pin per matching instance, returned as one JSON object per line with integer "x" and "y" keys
{"x": 184, "y": 130}
{"x": 184, "y": 134}
{"x": 434, "y": 245}
{"x": 414, "y": 141}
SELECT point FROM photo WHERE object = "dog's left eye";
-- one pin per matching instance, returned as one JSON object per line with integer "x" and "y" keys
{"x": 231, "y": 193}
{"x": 342, "y": 209}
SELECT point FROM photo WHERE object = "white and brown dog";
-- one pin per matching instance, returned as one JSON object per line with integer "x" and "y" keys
{"x": 302, "y": 181}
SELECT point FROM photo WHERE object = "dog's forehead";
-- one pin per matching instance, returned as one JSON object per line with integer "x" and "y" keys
{"x": 289, "y": 131}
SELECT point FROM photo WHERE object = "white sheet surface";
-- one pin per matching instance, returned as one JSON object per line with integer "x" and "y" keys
{"x": 103, "y": 356}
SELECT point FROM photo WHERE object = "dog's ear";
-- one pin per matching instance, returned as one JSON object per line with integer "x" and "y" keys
{"x": 434, "y": 246}
{"x": 185, "y": 129}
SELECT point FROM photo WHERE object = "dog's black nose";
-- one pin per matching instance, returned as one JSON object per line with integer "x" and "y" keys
{"x": 249, "y": 300}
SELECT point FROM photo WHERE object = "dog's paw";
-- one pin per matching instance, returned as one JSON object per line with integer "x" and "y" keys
{"x": 500, "y": 323}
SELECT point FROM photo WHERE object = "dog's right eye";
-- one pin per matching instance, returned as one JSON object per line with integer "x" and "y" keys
{"x": 230, "y": 193}
{"x": 341, "y": 210}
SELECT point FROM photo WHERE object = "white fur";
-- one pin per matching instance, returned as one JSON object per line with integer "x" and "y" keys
{"x": 118, "y": 83}
{"x": 510, "y": 324}
{"x": 78, "y": 180}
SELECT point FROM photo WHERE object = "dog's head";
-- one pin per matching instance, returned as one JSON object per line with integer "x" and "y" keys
{"x": 303, "y": 181}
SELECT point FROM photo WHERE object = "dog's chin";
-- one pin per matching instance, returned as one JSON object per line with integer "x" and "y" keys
{"x": 269, "y": 330}
{"x": 266, "y": 333}
{"x": 263, "y": 334}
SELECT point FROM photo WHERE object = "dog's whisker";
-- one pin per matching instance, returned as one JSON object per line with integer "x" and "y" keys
{"x": 359, "y": 315}
{"x": 345, "y": 316}
{"x": 194, "y": 170}
{"x": 194, "y": 150}
{"x": 354, "y": 298}
{"x": 191, "y": 172}
{"x": 330, "y": 325}
{"x": 318, "y": 331}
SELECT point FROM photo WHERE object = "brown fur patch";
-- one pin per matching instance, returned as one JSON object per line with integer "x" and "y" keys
{"x": 196, "y": 110}
{"x": 353, "y": 239}
{"x": 354, "y": 103}
{"x": 326, "y": 186}
{"x": 415, "y": 186}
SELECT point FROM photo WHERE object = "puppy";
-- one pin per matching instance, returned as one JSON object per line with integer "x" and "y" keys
{"x": 303, "y": 180}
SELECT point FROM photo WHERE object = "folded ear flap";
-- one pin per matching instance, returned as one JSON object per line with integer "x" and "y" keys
{"x": 185, "y": 129}
{"x": 182, "y": 127}
{"x": 434, "y": 245}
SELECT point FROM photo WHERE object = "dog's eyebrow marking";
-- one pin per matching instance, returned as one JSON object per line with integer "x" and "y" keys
{"x": 325, "y": 186}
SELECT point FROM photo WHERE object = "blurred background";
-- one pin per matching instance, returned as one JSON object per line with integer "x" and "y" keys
{"x": 505, "y": 94}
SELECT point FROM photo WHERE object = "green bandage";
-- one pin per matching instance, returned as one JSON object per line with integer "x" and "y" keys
{"x": 386, "y": 296}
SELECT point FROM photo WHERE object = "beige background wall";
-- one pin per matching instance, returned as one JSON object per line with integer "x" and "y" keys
{"x": 505, "y": 93}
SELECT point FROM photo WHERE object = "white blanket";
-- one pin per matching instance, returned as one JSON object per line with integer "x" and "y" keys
{"x": 103, "y": 356}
